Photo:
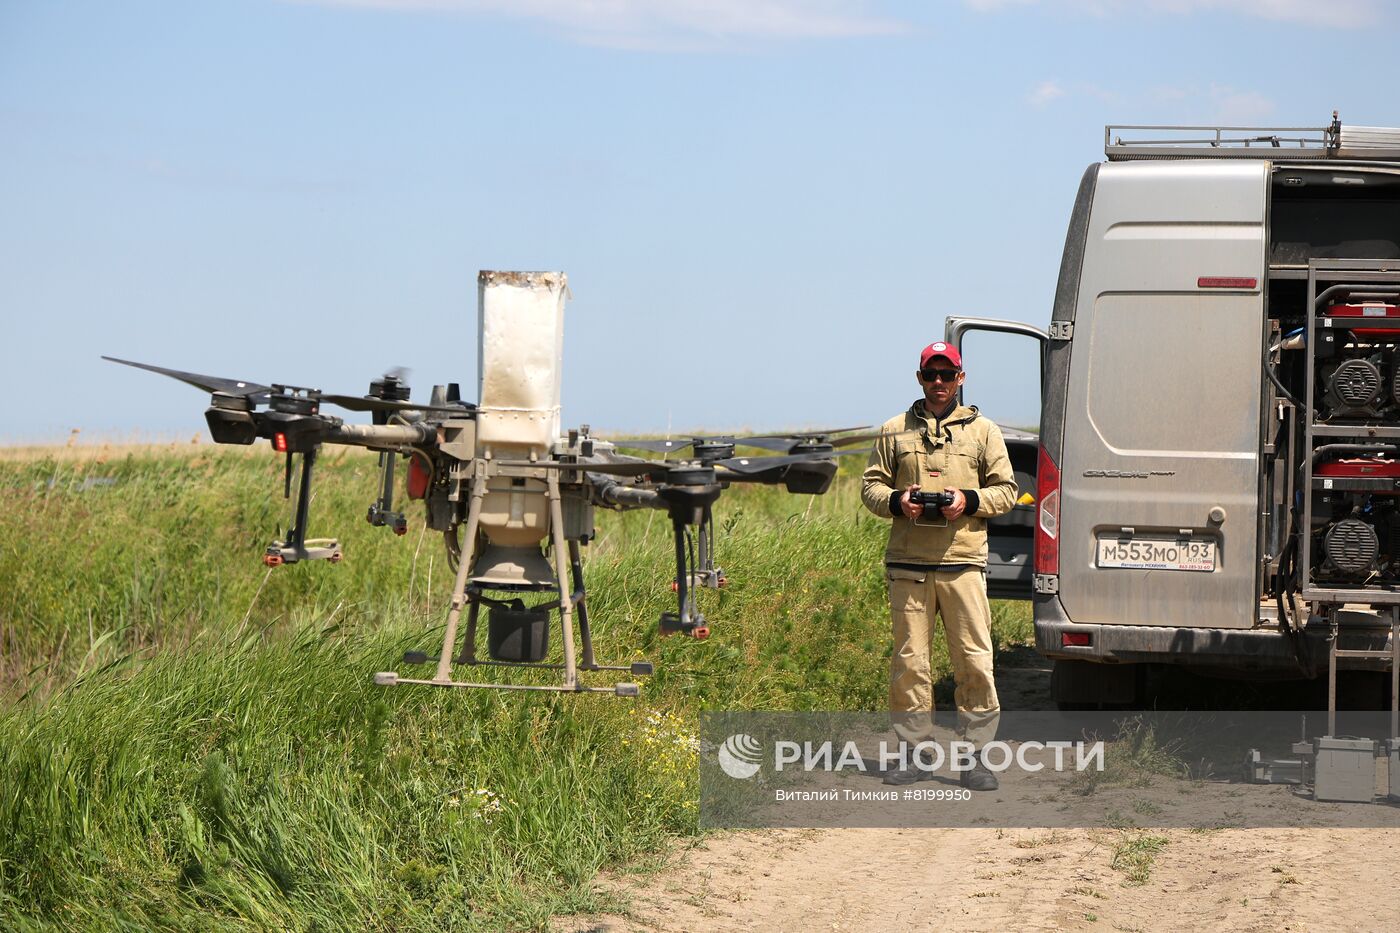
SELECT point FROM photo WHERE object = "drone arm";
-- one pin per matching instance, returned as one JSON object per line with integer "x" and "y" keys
{"x": 381, "y": 435}
{"x": 619, "y": 495}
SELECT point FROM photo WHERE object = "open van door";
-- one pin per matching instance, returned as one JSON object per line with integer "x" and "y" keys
{"x": 1005, "y": 361}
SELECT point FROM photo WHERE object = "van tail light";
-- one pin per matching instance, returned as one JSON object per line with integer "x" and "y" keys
{"x": 1047, "y": 523}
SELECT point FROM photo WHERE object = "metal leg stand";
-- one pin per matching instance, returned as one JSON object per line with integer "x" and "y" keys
{"x": 566, "y": 603}
{"x": 469, "y": 645}
{"x": 684, "y": 572}
{"x": 459, "y": 589}
{"x": 576, "y": 579}
{"x": 704, "y": 572}
{"x": 296, "y": 538}
{"x": 1332, "y": 671}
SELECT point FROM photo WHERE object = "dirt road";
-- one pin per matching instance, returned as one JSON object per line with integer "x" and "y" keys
{"x": 1016, "y": 879}
{"x": 987, "y": 879}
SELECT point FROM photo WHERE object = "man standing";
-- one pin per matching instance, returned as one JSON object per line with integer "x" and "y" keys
{"x": 936, "y": 559}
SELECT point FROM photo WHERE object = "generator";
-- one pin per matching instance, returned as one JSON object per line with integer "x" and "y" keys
{"x": 1350, "y": 528}
{"x": 1355, "y": 524}
{"x": 1358, "y": 376}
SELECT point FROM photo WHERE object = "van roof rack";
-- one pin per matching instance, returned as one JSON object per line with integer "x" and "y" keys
{"x": 1333, "y": 142}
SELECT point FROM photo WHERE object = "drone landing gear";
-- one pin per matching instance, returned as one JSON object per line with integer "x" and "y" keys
{"x": 706, "y": 575}
{"x": 691, "y": 505}
{"x": 519, "y": 634}
{"x": 382, "y": 511}
{"x": 297, "y": 547}
{"x": 671, "y": 624}
{"x": 706, "y": 579}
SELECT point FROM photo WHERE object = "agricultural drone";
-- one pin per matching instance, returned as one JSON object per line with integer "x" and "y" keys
{"x": 502, "y": 468}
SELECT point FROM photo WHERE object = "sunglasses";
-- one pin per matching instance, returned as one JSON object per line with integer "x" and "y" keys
{"x": 940, "y": 375}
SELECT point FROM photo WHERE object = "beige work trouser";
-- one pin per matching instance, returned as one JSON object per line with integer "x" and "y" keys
{"x": 960, "y": 597}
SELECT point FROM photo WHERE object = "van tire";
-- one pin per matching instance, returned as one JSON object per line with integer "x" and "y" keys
{"x": 1090, "y": 685}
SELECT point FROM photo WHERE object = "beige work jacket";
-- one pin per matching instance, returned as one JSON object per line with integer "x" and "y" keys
{"x": 963, "y": 451}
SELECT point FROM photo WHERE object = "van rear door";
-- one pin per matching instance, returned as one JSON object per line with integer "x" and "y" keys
{"x": 1159, "y": 496}
{"x": 1006, "y": 370}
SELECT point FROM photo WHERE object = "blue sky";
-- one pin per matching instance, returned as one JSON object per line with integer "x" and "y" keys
{"x": 765, "y": 207}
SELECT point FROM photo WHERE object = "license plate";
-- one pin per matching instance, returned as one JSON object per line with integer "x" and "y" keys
{"x": 1142, "y": 553}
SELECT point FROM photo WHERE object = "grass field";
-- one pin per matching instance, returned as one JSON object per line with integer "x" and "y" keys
{"x": 189, "y": 741}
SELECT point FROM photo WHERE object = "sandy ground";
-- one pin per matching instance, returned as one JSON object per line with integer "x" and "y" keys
{"x": 988, "y": 879}
{"x": 1013, "y": 879}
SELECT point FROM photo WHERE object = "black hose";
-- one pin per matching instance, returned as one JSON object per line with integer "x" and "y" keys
{"x": 1327, "y": 451}
{"x": 1273, "y": 377}
{"x": 1283, "y": 574}
{"x": 1283, "y": 584}
{"x": 454, "y": 548}
{"x": 1350, "y": 290}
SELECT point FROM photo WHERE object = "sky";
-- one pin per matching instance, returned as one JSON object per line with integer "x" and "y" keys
{"x": 765, "y": 208}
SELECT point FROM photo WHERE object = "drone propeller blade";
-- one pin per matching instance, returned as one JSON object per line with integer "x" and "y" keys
{"x": 208, "y": 383}
{"x": 795, "y": 442}
{"x": 369, "y": 403}
{"x": 746, "y": 466}
{"x": 801, "y": 435}
{"x": 781, "y": 443}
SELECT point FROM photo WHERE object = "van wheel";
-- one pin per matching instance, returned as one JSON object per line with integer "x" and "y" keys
{"x": 1090, "y": 685}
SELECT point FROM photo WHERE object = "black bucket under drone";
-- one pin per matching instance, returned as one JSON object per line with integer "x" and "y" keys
{"x": 517, "y": 634}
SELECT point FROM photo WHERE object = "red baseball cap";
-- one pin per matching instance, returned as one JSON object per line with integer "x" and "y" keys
{"x": 947, "y": 351}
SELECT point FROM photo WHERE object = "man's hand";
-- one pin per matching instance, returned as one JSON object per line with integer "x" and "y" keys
{"x": 954, "y": 511}
{"x": 910, "y": 508}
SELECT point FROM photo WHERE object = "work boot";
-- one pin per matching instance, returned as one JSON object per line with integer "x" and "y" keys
{"x": 911, "y": 772}
{"x": 907, "y": 775}
{"x": 978, "y": 777}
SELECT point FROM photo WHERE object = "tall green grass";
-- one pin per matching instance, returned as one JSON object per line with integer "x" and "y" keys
{"x": 190, "y": 741}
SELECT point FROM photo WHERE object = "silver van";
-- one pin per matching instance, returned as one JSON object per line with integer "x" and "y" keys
{"x": 1217, "y": 471}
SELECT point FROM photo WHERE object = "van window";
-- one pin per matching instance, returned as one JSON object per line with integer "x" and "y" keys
{"x": 1003, "y": 377}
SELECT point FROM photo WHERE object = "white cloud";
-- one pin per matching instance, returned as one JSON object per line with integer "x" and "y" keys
{"x": 1345, "y": 14}
{"x": 1045, "y": 92}
{"x": 670, "y": 24}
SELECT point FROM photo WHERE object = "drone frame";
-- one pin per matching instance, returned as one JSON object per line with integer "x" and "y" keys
{"x": 572, "y": 599}
{"x": 511, "y": 437}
